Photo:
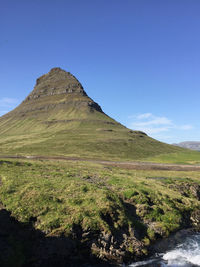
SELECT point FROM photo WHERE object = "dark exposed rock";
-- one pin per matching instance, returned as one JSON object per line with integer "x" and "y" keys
{"x": 195, "y": 217}
{"x": 139, "y": 133}
{"x": 56, "y": 82}
{"x": 187, "y": 189}
{"x": 118, "y": 248}
{"x": 195, "y": 190}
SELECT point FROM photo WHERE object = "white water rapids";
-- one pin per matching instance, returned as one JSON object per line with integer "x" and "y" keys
{"x": 186, "y": 254}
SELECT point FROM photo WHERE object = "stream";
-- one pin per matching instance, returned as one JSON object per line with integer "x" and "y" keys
{"x": 185, "y": 254}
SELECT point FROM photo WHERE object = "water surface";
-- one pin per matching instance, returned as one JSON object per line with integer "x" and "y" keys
{"x": 185, "y": 254}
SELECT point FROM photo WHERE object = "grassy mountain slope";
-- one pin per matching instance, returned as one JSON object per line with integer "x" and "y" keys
{"x": 58, "y": 118}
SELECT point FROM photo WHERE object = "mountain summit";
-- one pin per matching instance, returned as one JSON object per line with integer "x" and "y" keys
{"x": 55, "y": 90}
{"x": 56, "y": 82}
{"x": 59, "y": 118}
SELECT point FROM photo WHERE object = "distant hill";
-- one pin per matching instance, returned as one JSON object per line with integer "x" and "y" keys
{"x": 190, "y": 145}
{"x": 59, "y": 118}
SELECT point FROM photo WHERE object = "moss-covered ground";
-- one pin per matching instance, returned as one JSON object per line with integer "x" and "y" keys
{"x": 59, "y": 194}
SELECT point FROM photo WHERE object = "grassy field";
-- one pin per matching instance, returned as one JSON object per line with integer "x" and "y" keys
{"x": 59, "y": 195}
{"x": 182, "y": 157}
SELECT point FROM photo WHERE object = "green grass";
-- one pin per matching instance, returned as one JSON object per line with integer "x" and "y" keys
{"x": 46, "y": 126}
{"x": 88, "y": 138}
{"x": 56, "y": 196}
{"x": 183, "y": 157}
{"x": 60, "y": 194}
{"x": 59, "y": 197}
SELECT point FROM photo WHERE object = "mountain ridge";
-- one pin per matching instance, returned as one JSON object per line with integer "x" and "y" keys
{"x": 59, "y": 85}
{"x": 193, "y": 145}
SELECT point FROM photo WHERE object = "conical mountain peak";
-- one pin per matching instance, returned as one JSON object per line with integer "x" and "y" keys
{"x": 58, "y": 118}
{"x": 56, "y": 95}
{"x": 56, "y": 82}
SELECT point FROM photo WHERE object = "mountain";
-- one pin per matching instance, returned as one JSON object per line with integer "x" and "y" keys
{"x": 190, "y": 145}
{"x": 58, "y": 118}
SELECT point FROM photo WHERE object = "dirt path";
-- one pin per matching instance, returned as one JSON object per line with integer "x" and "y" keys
{"x": 126, "y": 165}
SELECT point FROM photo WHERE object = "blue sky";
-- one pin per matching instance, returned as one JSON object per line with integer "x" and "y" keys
{"x": 139, "y": 59}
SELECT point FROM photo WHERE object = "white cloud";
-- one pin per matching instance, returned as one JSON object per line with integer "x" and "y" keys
{"x": 144, "y": 116}
{"x": 152, "y": 124}
{"x": 155, "y": 121}
{"x": 186, "y": 127}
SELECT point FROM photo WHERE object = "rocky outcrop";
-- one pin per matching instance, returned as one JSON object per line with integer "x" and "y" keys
{"x": 195, "y": 218}
{"x": 118, "y": 248}
{"x": 56, "y": 82}
{"x": 188, "y": 189}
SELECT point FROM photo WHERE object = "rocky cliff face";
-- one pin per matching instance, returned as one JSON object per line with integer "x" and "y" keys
{"x": 56, "y": 82}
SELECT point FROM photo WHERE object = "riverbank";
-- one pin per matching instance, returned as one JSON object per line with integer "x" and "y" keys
{"x": 84, "y": 212}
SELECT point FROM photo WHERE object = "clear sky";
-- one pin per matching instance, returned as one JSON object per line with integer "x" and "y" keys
{"x": 139, "y": 59}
